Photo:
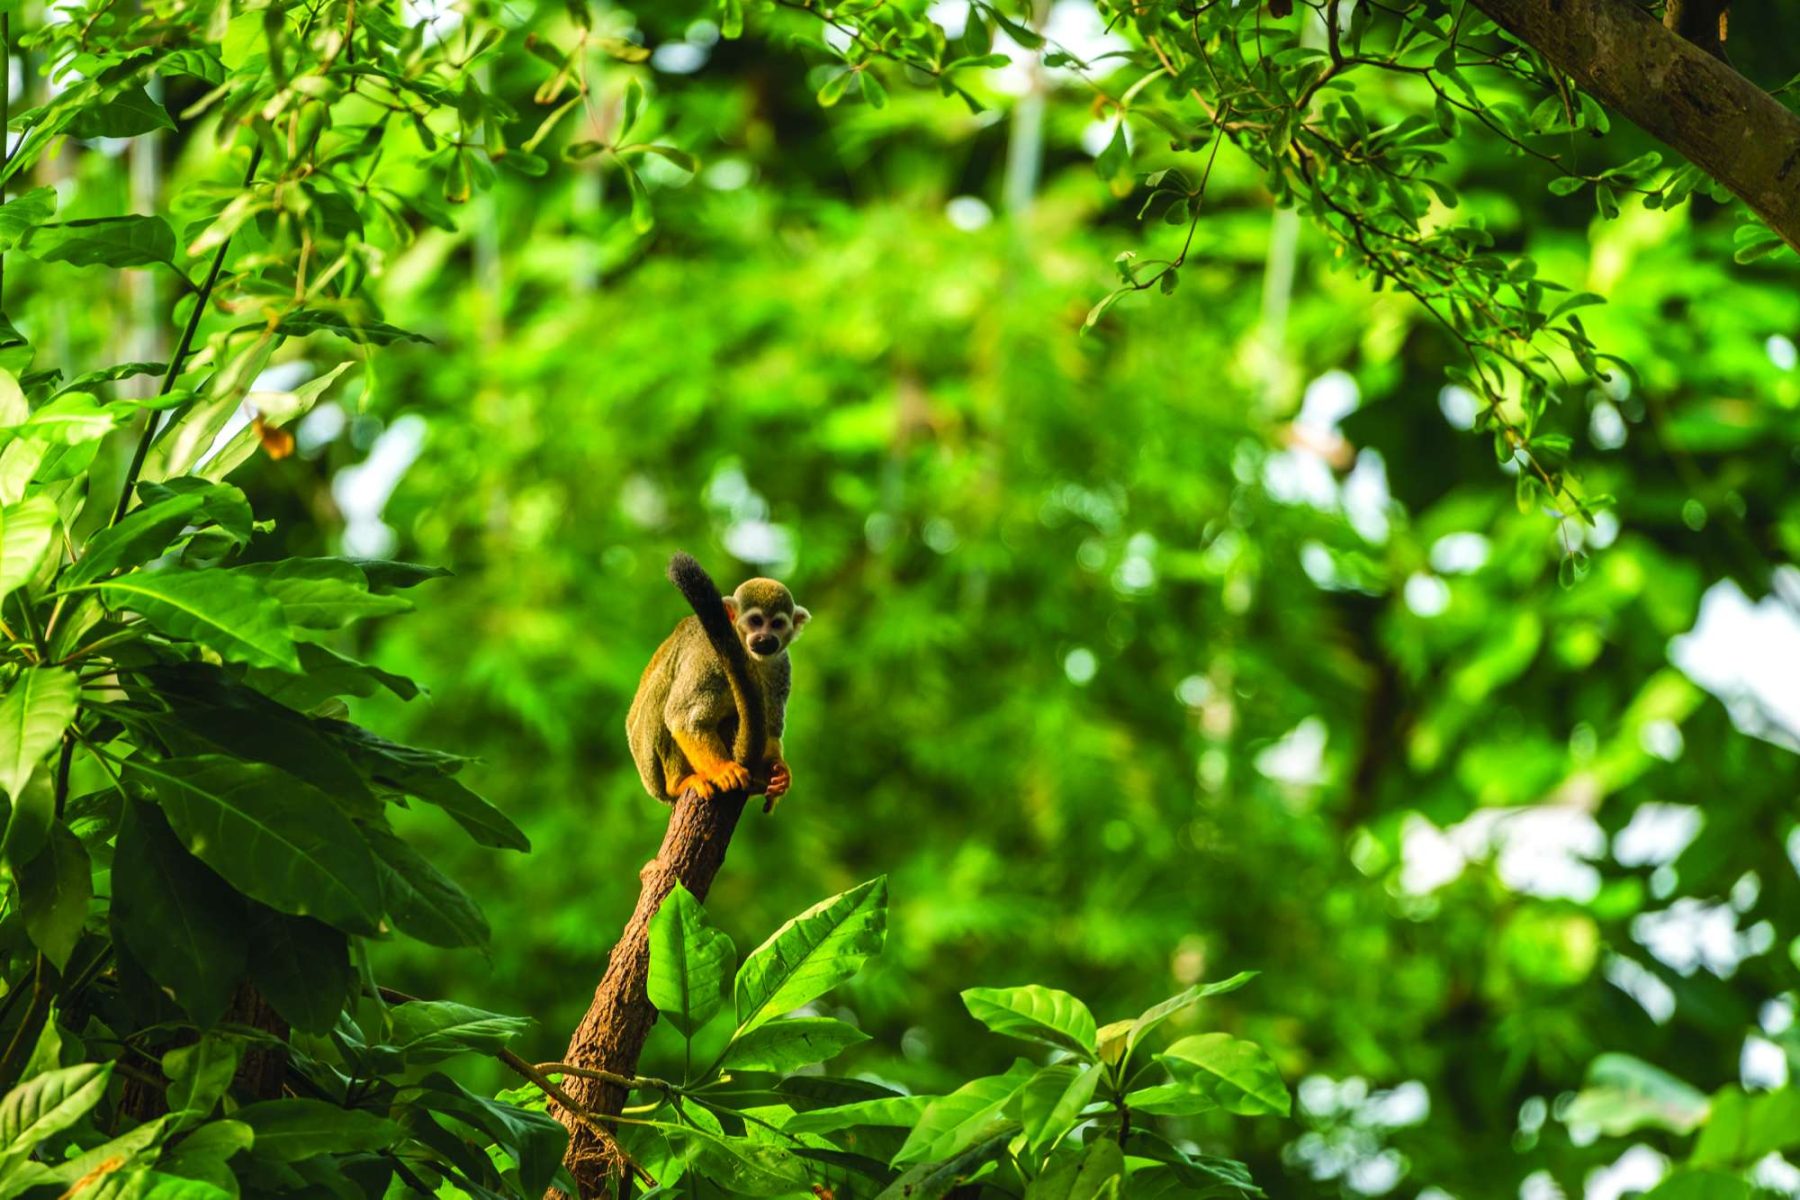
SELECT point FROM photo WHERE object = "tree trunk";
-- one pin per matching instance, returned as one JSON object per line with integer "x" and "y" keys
{"x": 1675, "y": 90}
{"x": 611, "y": 1035}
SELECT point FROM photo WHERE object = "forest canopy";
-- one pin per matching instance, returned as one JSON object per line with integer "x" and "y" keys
{"x": 1293, "y": 502}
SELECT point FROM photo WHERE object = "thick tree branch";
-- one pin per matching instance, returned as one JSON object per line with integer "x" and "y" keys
{"x": 1674, "y": 90}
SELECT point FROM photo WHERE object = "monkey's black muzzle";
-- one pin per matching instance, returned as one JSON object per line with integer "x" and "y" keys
{"x": 765, "y": 644}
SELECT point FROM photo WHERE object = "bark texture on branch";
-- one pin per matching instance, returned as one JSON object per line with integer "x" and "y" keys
{"x": 1674, "y": 90}
{"x": 611, "y": 1035}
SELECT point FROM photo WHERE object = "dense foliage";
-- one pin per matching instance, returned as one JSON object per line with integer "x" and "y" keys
{"x": 1173, "y": 626}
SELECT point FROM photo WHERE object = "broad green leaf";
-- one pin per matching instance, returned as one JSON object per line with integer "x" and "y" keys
{"x": 1700, "y": 1185}
{"x": 1050, "y": 1104}
{"x": 1625, "y": 1094}
{"x": 428, "y": 1031}
{"x": 23, "y": 213}
{"x": 1156, "y": 1014}
{"x": 221, "y": 611}
{"x": 108, "y": 1169}
{"x": 48, "y": 1104}
{"x": 326, "y": 673}
{"x": 255, "y": 826}
{"x": 321, "y": 593}
{"x": 422, "y": 901}
{"x": 33, "y": 714}
{"x": 427, "y": 775}
{"x": 535, "y": 1139}
{"x": 74, "y": 419}
{"x": 972, "y": 1113}
{"x": 179, "y": 920}
{"x": 898, "y": 1112}
{"x": 26, "y": 530}
{"x": 1234, "y": 1073}
{"x": 54, "y": 889}
{"x": 1169, "y": 1100}
{"x": 127, "y": 113}
{"x": 148, "y": 530}
{"x": 741, "y": 1166}
{"x": 1037, "y": 1014}
{"x": 1742, "y": 1127}
{"x": 103, "y": 241}
{"x": 301, "y": 966}
{"x": 783, "y": 1045}
{"x": 1099, "y": 1172}
{"x": 168, "y": 1185}
{"x": 811, "y": 954}
{"x": 289, "y": 1130}
{"x": 203, "y": 1153}
{"x": 199, "y": 1075}
{"x": 689, "y": 962}
{"x": 935, "y": 1180}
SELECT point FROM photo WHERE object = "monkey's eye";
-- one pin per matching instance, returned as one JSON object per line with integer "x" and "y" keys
{"x": 779, "y": 622}
{"x": 755, "y": 621}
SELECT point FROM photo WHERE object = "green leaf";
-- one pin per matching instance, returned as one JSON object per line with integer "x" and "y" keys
{"x": 1564, "y": 185}
{"x": 642, "y": 216}
{"x": 1169, "y": 1100}
{"x": 935, "y": 1180}
{"x": 128, "y": 113}
{"x": 896, "y": 1112}
{"x": 1700, "y": 1185}
{"x": 1051, "y": 1103}
{"x": 199, "y": 1075}
{"x": 425, "y": 903}
{"x": 1036, "y": 1013}
{"x": 301, "y": 966}
{"x": 834, "y": 87}
{"x": 811, "y": 954}
{"x": 427, "y": 775}
{"x": 321, "y": 593}
{"x": 46, "y": 1105}
{"x": 54, "y": 889}
{"x": 33, "y": 714}
{"x": 326, "y": 673}
{"x": 689, "y": 962}
{"x": 1742, "y": 1127}
{"x": 535, "y": 1139}
{"x": 148, "y": 531}
{"x": 224, "y": 612}
{"x": 178, "y": 919}
{"x": 741, "y": 1166}
{"x": 290, "y": 1130}
{"x": 1156, "y": 1014}
{"x": 972, "y": 1113}
{"x": 1234, "y": 1073}
{"x": 26, "y": 530}
{"x": 103, "y": 241}
{"x": 428, "y": 1031}
{"x": 781, "y": 1046}
{"x": 1115, "y": 159}
{"x": 25, "y": 212}
{"x": 1099, "y": 1172}
{"x": 74, "y": 419}
{"x": 1625, "y": 1094}
{"x": 254, "y": 825}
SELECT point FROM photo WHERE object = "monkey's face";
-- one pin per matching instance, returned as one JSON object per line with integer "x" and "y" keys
{"x": 766, "y": 617}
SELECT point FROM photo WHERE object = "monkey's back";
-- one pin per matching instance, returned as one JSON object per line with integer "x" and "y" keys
{"x": 652, "y": 745}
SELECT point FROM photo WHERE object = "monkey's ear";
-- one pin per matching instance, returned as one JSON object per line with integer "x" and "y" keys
{"x": 801, "y": 617}
{"x": 731, "y": 607}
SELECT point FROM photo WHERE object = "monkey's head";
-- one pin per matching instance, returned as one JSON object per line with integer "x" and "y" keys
{"x": 766, "y": 617}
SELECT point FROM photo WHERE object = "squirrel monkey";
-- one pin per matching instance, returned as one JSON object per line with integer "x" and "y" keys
{"x": 730, "y": 655}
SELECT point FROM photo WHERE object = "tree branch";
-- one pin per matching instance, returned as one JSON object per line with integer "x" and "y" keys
{"x": 1675, "y": 91}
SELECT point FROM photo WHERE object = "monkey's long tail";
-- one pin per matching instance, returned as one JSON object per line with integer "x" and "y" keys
{"x": 702, "y": 594}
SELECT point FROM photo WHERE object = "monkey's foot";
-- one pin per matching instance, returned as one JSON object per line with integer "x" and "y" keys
{"x": 728, "y": 777}
{"x": 697, "y": 784}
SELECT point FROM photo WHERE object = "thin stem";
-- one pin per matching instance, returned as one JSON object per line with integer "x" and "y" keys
{"x": 182, "y": 349}
{"x": 5, "y": 118}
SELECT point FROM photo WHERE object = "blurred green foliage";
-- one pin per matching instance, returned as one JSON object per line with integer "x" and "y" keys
{"x": 1200, "y": 642}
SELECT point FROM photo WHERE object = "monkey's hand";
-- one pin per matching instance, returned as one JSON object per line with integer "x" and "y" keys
{"x": 780, "y": 779}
